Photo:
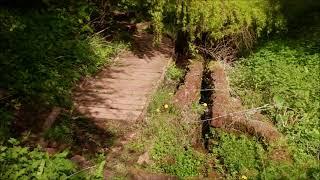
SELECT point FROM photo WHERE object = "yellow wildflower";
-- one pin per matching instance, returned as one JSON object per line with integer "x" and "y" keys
{"x": 244, "y": 177}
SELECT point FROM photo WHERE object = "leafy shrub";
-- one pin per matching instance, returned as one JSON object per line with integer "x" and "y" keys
{"x": 174, "y": 73}
{"x": 18, "y": 162}
{"x": 22, "y": 163}
{"x": 207, "y": 21}
{"x": 46, "y": 53}
{"x": 240, "y": 155}
{"x": 285, "y": 73}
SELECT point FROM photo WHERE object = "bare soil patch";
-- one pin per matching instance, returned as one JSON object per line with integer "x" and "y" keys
{"x": 189, "y": 92}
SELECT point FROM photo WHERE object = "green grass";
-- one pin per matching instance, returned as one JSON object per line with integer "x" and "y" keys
{"x": 167, "y": 135}
{"x": 284, "y": 72}
{"x": 240, "y": 157}
{"x": 18, "y": 162}
{"x": 172, "y": 150}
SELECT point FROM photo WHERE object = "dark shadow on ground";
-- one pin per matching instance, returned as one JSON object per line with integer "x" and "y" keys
{"x": 143, "y": 46}
{"x": 96, "y": 94}
{"x": 80, "y": 135}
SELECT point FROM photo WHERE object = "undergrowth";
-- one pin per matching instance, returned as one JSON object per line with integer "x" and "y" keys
{"x": 284, "y": 73}
{"x": 80, "y": 134}
{"x": 242, "y": 157}
{"x": 167, "y": 135}
{"x": 237, "y": 156}
{"x": 45, "y": 52}
{"x": 19, "y": 162}
{"x": 22, "y": 163}
{"x": 174, "y": 73}
{"x": 172, "y": 152}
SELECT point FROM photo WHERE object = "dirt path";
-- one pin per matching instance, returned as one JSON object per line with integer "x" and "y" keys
{"x": 121, "y": 92}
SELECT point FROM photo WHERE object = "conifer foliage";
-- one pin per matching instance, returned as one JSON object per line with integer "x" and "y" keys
{"x": 233, "y": 22}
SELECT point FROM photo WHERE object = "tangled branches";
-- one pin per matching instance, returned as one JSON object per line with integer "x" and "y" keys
{"x": 227, "y": 48}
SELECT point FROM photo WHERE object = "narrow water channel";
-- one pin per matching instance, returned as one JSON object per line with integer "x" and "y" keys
{"x": 206, "y": 97}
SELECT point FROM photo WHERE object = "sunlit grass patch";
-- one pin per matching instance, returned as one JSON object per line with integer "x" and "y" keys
{"x": 284, "y": 73}
{"x": 167, "y": 136}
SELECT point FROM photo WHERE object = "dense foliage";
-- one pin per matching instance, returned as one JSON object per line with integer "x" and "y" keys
{"x": 18, "y": 162}
{"x": 284, "y": 73}
{"x": 204, "y": 22}
{"x": 225, "y": 18}
{"x": 21, "y": 163}
{"x": 45, "y": 54}
{"x": 300, "y": 12}
{"x": 46, "y": 49}
{"x": 242, "y": 157}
